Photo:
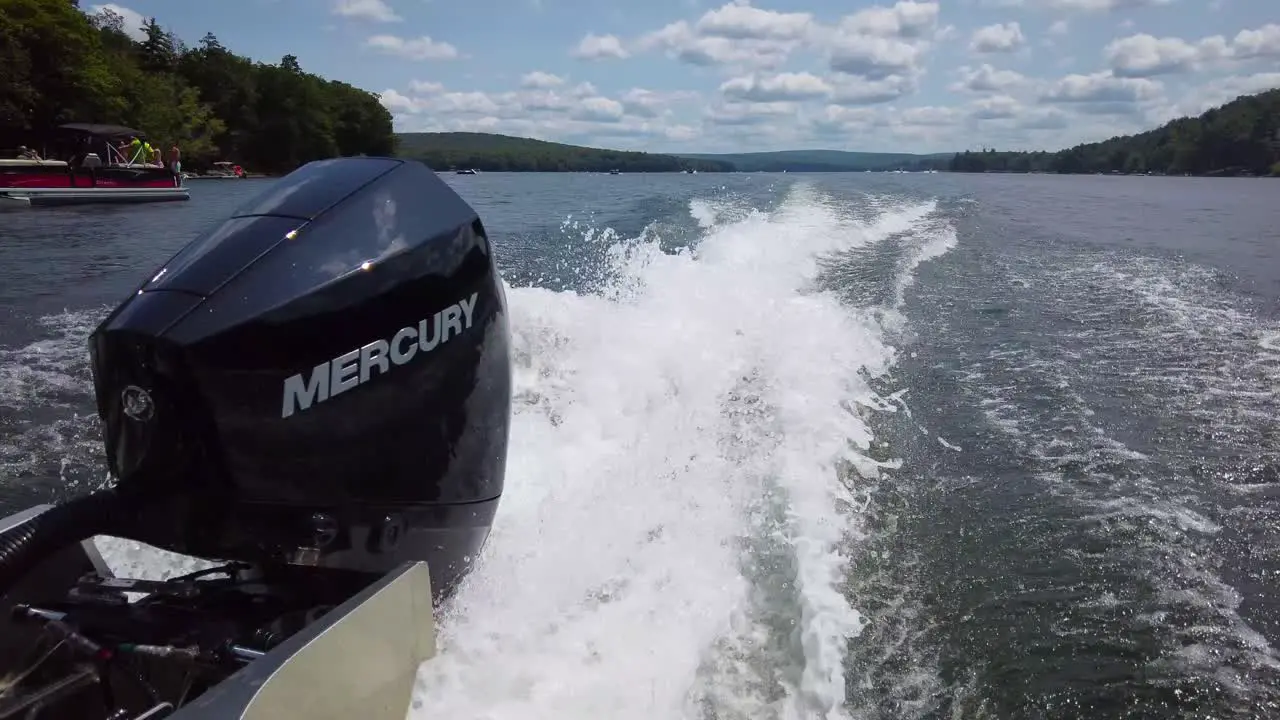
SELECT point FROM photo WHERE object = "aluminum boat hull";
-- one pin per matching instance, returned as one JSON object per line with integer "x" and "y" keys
{"x": 359, "y": 660}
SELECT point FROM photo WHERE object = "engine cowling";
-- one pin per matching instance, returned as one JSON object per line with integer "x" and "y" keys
{"x": 324, "y": 378}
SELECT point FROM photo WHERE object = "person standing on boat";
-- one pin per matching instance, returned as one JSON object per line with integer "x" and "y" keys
{"x": 139, "y": 152}
{"x": 175, "y": 165}
{"x": 135, "y": 150}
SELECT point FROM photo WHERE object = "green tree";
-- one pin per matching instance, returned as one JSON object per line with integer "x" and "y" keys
{"x": 157, "y": 53}
{"x": 59, "y": 65}
{"x": 54, "y": 69}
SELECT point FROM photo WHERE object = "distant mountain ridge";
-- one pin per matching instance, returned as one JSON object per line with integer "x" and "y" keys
{"x": 491, "y": 152}
{"x": 825, "y": 160}
{"x": 499, "y": 153}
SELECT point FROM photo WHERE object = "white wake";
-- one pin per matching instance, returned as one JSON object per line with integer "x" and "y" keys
{"x": 615, "y": 584}
{"x": 684, "y": 474}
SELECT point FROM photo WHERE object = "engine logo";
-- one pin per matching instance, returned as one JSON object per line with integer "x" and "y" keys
{"x": 359, "y": 366}
{"x": 137, "y": 403}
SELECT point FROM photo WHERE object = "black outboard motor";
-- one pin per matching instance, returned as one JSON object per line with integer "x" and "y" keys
{"x": 323, "y": 380}
{"x": 317, "y": 391}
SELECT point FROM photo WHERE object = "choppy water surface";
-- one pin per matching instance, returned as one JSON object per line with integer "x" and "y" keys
{"x": 828, "y": 446}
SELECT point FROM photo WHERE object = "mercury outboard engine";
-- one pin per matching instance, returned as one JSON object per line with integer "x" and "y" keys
{"x": 315, "y": 391}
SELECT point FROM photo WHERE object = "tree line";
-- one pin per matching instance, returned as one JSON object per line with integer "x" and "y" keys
{"x": 489, "y": 152}
{"x": 60, "y": 65}
{"x": 1241, "y": 137}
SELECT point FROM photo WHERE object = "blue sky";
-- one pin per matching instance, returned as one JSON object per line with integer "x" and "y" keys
{"x": 693, "y": 75}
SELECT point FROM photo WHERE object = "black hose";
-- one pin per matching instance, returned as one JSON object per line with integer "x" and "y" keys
{"x": 24, "y": 546}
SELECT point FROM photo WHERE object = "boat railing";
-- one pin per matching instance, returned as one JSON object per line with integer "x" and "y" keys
{"x": 25, "y": 162}
{"x": 117, "y": 159}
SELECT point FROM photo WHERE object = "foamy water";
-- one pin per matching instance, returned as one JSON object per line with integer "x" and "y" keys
{"x": 685, "y": 473}
{"x": 703, "y": 403}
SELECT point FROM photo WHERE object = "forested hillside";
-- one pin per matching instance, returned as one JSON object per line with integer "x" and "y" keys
{"x": 60, "y": 65}
{"x": 1241, "y": 137}
{"x": 498, "y": 153}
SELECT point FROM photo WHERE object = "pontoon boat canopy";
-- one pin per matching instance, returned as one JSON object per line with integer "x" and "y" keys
{"x": 106, "y": 131}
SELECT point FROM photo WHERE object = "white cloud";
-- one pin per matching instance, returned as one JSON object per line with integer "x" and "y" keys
{"x": 743, "y": 22}
{"x": 879, "y": 54}
{"x": 651, "y": 103}
{"x": 376, "y": 10}
{"x": 599, "y": 47}
{"x": 760, "y": 78}
{"x": 997, "y": 38}
{"x": 598, "y": 108}
{"x": 781, "y": 87}
{"x": 539, "y": 79}
{"x": 930, "y": 115}
{"x": 1261, "y": 43}
{"x": 1045, "y": 119}
{"x": 1102, "y": 88}
{"x": 1083, "y": 6}
{"x": 749, "y": 113}
{"x": 906, "y": 19}
{"x": 741, "y": 37}
{"x": 875, "y": 58}
{"x": 1145, "y": 55}
{"x": 420, "y": 48}
{"x": 682, "y": 41}
{"x": 996, "y": 107}
{"x": 424, "y": 87}
{"x": 399, "y": 104}
{"x": 545, "y": 106}
{"x": 1102, "y": 5}
{"x": 133, "y": 20}
{"x": 855, "y": 91}
{"x": 987, "y": 79}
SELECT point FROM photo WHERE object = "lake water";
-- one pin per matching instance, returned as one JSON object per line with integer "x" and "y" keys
{"x": 815, "y": 446}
